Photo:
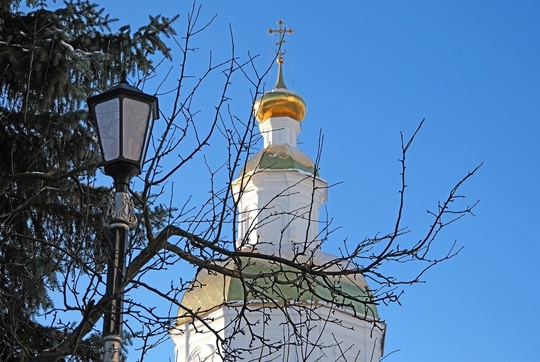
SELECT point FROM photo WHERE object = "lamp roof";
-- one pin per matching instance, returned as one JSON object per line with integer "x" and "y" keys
{"x": 127, "y": 90}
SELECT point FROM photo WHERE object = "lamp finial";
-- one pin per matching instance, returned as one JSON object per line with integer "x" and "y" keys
{"x": 123, "y": 76}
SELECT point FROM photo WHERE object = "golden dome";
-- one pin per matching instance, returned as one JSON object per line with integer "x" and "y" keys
{"x": 279, "y": 102}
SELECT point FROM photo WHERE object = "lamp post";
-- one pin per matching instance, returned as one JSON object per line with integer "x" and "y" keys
{"x": 124, "y": 116}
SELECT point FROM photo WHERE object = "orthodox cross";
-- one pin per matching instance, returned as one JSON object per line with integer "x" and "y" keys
{"x": 281, "y": 31}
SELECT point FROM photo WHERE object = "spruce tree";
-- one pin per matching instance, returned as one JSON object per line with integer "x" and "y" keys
{"x": 50, "y": 215}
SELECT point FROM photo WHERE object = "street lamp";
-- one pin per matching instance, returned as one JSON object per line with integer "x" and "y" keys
{"x": 124, "y": 116}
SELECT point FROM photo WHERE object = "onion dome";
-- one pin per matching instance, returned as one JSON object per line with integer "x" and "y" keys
{"x": 280, "y": 102}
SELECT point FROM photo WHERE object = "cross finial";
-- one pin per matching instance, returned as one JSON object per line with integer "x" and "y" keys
{"x": 281, "y": 31}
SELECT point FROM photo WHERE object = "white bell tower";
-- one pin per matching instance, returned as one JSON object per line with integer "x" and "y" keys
{"x": 273, "y": 313}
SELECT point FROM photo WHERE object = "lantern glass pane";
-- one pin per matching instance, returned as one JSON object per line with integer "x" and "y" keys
{"x": 136, "y": 115}
{"x": 107, "y": 116}
{"x": 149, "y": 133}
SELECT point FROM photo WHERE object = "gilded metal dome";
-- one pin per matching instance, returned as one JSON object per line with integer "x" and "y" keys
{"x": 280, "y": 102}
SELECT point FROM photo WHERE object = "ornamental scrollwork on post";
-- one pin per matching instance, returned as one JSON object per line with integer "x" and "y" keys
{"x": 120, "y": 211}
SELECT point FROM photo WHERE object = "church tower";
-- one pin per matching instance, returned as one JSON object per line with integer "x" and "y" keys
{"x": 272, "y": 310}
{"x": 278, "y": 191}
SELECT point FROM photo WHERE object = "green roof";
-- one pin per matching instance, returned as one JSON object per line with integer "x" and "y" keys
{"x": 273, "y": 284}
{"x": 279, "y": 157}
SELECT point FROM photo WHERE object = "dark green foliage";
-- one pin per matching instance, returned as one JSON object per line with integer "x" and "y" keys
{"x": 50, "y": 214}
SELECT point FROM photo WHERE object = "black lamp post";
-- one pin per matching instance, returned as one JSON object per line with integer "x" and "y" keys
{"x": 124, "y": 116}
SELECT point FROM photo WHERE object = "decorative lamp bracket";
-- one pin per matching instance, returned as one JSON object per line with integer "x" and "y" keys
{"x": 120, "y": 211}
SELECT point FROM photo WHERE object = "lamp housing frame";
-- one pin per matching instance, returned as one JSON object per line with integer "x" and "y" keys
{"x": 109, "y": 111}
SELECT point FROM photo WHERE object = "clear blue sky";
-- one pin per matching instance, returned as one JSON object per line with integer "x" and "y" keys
{"x": 370, "y": 69}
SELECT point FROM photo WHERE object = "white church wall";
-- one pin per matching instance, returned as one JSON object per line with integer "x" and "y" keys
{"x": 279, "y": 130}
{"x": 306, "y": 333}
{"x": 196, "y": 342}
{"x": 266, "y": 197}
